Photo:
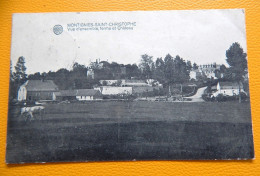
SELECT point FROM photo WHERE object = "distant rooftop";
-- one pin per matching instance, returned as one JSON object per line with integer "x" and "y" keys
{"x": 41, "y": 85}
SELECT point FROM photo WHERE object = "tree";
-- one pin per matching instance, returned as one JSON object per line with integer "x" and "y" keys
{"x": 223, "y": 68}
{"x": 202, "y": 77}
{"x": 221, "y": 72}
{"x": 104, "y": 83}
{"x": 169, "y": 68}
{"x": 146, "y": 66}
{"x": 132, "y": 71}
{"x": 35, "y": 76}
{"x": 217, "y": 73}
{"x": 79, "y": 68}
{"x": 19, "y": 74}
{"x": 159, "y": 70}
{"x": 18, "y": 77}
{"x": 61, "y": 79}
{"x": 236, "y": 59}
{"x": 181, "y": 71}
{"x": 195, "y": 66}
{"x": 152, "y": 70}
{"x": 110, "y": 71}
{"x": 189, "y": 66}
{"x": 11, "y": 72}
{"x": 12, "y": 88}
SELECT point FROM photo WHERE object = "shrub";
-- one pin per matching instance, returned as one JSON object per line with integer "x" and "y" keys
{"x": 231, "y": 98}
{"x": 206, "y": 97}
{"x": 243, "y": 96}
{"x": 220, "y": 98}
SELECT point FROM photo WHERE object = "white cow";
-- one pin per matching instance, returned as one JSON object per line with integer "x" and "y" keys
{"x": 27, "y": 112}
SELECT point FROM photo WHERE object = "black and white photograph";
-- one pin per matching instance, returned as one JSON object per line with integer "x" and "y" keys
{"x": 129, "y": 86}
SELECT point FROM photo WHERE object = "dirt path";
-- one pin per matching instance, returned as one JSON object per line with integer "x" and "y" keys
{"x": 198, "y": 96}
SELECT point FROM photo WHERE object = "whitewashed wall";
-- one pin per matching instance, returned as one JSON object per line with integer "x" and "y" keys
{"x": 115, "y": 90}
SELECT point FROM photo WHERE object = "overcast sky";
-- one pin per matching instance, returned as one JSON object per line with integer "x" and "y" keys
{"x": 201, "y": 36}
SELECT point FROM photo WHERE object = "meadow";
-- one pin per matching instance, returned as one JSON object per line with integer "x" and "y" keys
{"x": 108, "y": 131}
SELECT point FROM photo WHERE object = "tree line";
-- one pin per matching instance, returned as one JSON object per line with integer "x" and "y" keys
{"x": 168, "y": 70}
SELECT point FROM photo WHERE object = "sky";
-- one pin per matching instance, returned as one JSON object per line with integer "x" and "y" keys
{"x": 201, "y": 36}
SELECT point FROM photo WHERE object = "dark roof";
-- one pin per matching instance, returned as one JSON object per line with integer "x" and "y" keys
{"x": 89, "y": 92}
{"x": 230, "y": 85}
{"x": 78, "y": 92}
{"x": 66, "y": 93}
{"x": 40, "y": 85}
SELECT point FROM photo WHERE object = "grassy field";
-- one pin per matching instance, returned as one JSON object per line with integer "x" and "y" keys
{"x": 101, "y": 131}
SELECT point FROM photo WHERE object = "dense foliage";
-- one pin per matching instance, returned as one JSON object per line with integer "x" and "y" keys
{"x": 168, "y": 71}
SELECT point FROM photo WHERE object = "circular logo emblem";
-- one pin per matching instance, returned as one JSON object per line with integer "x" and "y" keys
{"x": 57, "y": 29}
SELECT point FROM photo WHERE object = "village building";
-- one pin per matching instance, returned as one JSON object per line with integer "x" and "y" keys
{"x": 79, "y": 94}
{"x": 90, "y": 73}
{"x": 208, "y": 70}
{"x": 228, "y": 88}
{"x": 153, "y": 82}
{"x": 134, "y": 83}
{"x": 96, "y": 64}
{"x": 130, "y": 83}
{"x": 112, "y": 90}
{"x": 34, "y": 90}
{"x": 109, "y": 82}
{"x": 112, "y": 87}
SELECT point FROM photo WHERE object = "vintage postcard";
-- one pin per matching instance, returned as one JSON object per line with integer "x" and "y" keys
{"x": 139, "y": 85}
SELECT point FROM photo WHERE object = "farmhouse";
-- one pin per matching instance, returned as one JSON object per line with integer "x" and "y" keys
{"x": 34, "y": 90}
{"x": 79, "y": 94}
{"x": 228, "y": 88}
